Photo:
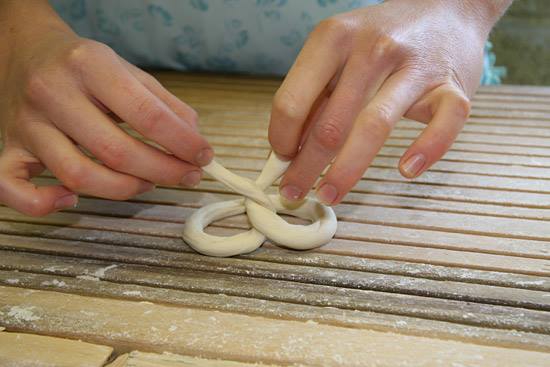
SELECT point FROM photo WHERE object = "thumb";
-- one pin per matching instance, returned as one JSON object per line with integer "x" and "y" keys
{"x": 17, "y": 167}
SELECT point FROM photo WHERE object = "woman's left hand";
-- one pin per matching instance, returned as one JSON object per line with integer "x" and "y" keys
{"x": 360, "y": 72}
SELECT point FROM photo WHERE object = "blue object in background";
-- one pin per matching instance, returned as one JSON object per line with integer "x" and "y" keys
{"x": 242, "y": 36}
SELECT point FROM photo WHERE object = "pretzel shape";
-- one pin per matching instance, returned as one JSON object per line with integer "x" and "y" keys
{"x": 261, "y": 210}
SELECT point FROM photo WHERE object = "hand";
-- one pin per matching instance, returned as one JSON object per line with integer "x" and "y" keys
{"x": 359, "y": 73}
{"x": 61, "y": 94}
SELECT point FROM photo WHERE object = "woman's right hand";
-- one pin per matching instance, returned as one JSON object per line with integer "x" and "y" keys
{"x": 61, "y": 93}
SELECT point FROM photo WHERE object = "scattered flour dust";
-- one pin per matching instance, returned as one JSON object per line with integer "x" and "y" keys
{"x": 87, "y": 277}
{"x": 54, "y": 282}
{"x": 23, "y": 313}
{"x": 132, "y": 293}
{"x": 98, "y": 274}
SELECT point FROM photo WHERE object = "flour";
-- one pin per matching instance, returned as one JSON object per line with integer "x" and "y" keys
{"x": 23, "y": 313}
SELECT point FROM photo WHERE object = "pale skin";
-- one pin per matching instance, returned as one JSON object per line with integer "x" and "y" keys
{"x": 357, "y": 75}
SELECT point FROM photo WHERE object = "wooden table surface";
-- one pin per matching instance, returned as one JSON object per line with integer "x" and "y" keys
{"x": 453, "y": 267}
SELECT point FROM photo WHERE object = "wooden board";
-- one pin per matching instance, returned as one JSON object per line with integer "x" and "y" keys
{"x": 17, "y": 349}
{"x": 241, "y": 337}
{"x": 453, "y": 267}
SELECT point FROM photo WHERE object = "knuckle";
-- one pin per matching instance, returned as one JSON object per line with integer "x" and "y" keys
{"x": 379, "y": 121}
{"x": 329, "y": 135}
{"x": 80, "y": 53}
{"x": 385, "y": 46}
{"x": 462, "y": 106}
{"x": 73, "y": 175}
{"x": 37, "y": 87}
{"x": 112, "y": 153}
{"x": 335, "y": 26}
{"x": 151, "y": 114}
{"x": 286, "y": 107}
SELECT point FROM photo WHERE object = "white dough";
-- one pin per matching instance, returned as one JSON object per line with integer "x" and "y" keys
{"x": 262, "y": 212}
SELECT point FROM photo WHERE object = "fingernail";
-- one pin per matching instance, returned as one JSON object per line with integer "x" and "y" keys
{"x": 145, "y": 187}
{"x": 65, "y": 202}
{"x": 290, "y": 192}
{"x": 191, "y": 179}
{"x": 284, "y": 158}
{"x": 327, "y": 194}
{"x": 412, "y": 167}
{"x": 204, "y": 157}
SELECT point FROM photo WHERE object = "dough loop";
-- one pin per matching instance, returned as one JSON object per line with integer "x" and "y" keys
{"x": 261, "y": 210}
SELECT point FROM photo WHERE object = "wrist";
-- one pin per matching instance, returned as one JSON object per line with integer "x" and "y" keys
{"x": 487, "y": 12}
{"x": 22, "y": 22}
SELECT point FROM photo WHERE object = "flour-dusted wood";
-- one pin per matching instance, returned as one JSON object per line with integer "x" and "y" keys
{"x": 22, "y": 350}
{"x": 241, "y": 337}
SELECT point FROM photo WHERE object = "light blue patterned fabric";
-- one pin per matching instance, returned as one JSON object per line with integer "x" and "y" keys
{"x": 244, "y": 36}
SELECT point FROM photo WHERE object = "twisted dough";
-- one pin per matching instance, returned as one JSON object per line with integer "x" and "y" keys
{"x": 262, "y": 212}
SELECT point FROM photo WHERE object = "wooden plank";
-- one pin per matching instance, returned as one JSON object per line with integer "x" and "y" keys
{"x": 18, "y": 349}
{"x": 361, "y": 231}
{"x": 242, "y": 337}
{"x": 306, "y": 285}
{"x": 402, "y": 133}
{"x": 253, "y": 126}
{"x": 277, "y": 310}
{"x": 459, "y": 146}
{"x": 470, "y": 226}
{"x": 141, "y": 359}
{"x": 327, "y": 257}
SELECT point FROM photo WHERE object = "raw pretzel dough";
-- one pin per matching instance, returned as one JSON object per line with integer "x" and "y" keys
{"x": 262, "y": 212}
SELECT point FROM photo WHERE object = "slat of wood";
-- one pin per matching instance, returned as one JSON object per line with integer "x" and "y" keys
{"x": 511, "y": 104}
{"x": 358, "y": 215}
{"x": 512, "y": 114}
{"x": 508, "y": 170}
{"x": 141, "y": 359}
{"x": 429, "y": 177}
{"x": 497, "y": 154}
{"x": 397, "y": 152}
{"x": 401, "y": 133}
{"x": 189, "y": 81}
{"x": 273, "y": 309}
{"x": 515, "y": 90}
{"x": 244, "y": 338}
{"x": 373, "y": 233}
{"x": 354, "y": 290}
{"x": 163, "y": 195}
{"x": 506, "y": 150}
{"x": 432, "y": 191}
{"x": 504, "y": 99}
{"x": 362, "y": 259}
{"x": 398, "y": 214}
{"x": 18, "y": 349}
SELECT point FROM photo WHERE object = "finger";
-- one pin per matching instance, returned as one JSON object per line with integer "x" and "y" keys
{"x": 180, "y": 108}
{"x": 451, "y": 112}
{"x": 330, "y": 131}
{"x": 17, "y": 167}
{"x": 134, "y": 103}
{"x": 110, "y": 144}
{"x": 311, "y": 73}
{"x": 371, "y": 129}
{"x": 76, "y": 171}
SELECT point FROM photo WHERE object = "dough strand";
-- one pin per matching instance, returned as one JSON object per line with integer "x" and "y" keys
{"x": 261, "y": 210}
